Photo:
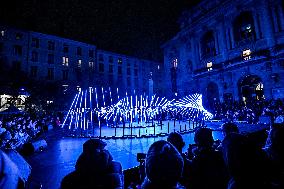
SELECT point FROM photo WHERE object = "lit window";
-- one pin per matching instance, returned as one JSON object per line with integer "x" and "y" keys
{"x": 65, "y": 61}
{"x": 259, "y": 87}
{"x": 119, "y": 60}
{"x": 158, "y": 67}
{"x": 247, "y": 54}
{"x": 209, "y": 66}
{"x": 91, "y": 65}
{"x": 79, "y": 63}
{"x": 2, "y": 33}
{"x": 78, "y": 88}
{"x": 175, "y": 63}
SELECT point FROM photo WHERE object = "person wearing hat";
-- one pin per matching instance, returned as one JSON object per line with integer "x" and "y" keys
{"x": 94, "y": 168}
{"x": 163, "y": 166}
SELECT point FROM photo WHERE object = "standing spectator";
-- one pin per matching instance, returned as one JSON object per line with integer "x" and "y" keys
{"x": 176, "y": 140}
{"x": 208, "y": 167}
{"x": 164, "y": 166}
{"x": 246, "y": 164}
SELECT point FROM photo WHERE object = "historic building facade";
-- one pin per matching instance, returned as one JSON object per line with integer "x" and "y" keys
{"x": 228, "y": 50}
{"x": 28, "y": 56}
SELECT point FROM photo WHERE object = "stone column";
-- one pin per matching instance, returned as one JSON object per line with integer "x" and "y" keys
{"x": 266, "y": 21}
{"x": 256, "y": 25}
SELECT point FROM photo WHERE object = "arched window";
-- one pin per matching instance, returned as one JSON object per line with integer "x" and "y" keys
{"x": 244, "y": 27}
{"x": 208, "y": 44}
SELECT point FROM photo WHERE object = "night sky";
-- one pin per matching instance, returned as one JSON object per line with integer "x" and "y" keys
{"x": 132, "y": 27}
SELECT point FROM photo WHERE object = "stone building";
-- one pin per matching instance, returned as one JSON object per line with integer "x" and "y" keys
{"x": 228, "y": 50}
{"x": 31, "y": 57}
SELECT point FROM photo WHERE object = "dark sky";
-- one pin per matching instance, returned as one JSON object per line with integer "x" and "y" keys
{"x": 133, "y": 27}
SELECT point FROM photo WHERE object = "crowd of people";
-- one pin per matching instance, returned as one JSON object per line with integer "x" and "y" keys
{"x": 237, "y": 162}
{"x": 16, "y": 130}
{"x": 250, "y": 111}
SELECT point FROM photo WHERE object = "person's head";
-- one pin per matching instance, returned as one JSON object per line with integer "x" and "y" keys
{"x": 164, "y": 164}
{"x": 241, "y": 156}
{"x": 203, "y": 137}
{"x": 176, "y": 140}
{"x": 93, "y": 145}
{"x": 94, "y": 157}
{"x": 228, "y": 128}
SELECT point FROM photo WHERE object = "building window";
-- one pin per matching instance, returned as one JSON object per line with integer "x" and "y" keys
{"x": 65, "y": 48}
{"x": 50, "y": 58}
{"x": 209, "y": 66}
{"x": 79, "y": 51}
{"x": 79, "y": 64}
{"x": 244, "y": 27}
{"x": 18, "y": 50}
{"x": 135, "y": 72}
{"x": 19, "y": 36}
{"x": 101, "y": 67}
{"x": 101, "y": 57}
{"x": 50, "y": 74}
{"x": 2, "y": 33}
{"x": 110, "y": 70}
{"x": 51, "y": 45}
{"x": 33, "y": 71}
{"x": 246, "y": 54}
{"x": 91, "y": 53}
{"x": 128, "y": 71}
{"x": 65, "y": 61}
{"x": 35, "y": 42}
{"x": 34, "y": 57}
{"x": 175, "y": 62}
{"x": 91, "y": 65}
{"x": 208, "y": 44}
{"x": 119, "y": 70}
{"x": 119, "y": 60}
{"x": 110, "y": 59}
{"x": 65, "y": 74}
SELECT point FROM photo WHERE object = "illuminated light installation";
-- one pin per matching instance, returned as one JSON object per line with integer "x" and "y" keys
{"x": 191, "y": 106}
{"x": 138, "y": 109}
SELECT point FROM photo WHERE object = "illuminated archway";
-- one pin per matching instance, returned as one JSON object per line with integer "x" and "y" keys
{"x": 251, "y": 88}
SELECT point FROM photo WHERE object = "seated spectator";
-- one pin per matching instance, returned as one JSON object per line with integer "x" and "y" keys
{"x": 176, "y": 140}
{"x": 208, "y": 167}
{"x": 9, "y": 177}
{"x": 164, "y": 166}
{"x": 276, "y": 155}
{"x": 95, "y": 168}
{"x": 228, "y": 128}
{"x": 246, "y": 164}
